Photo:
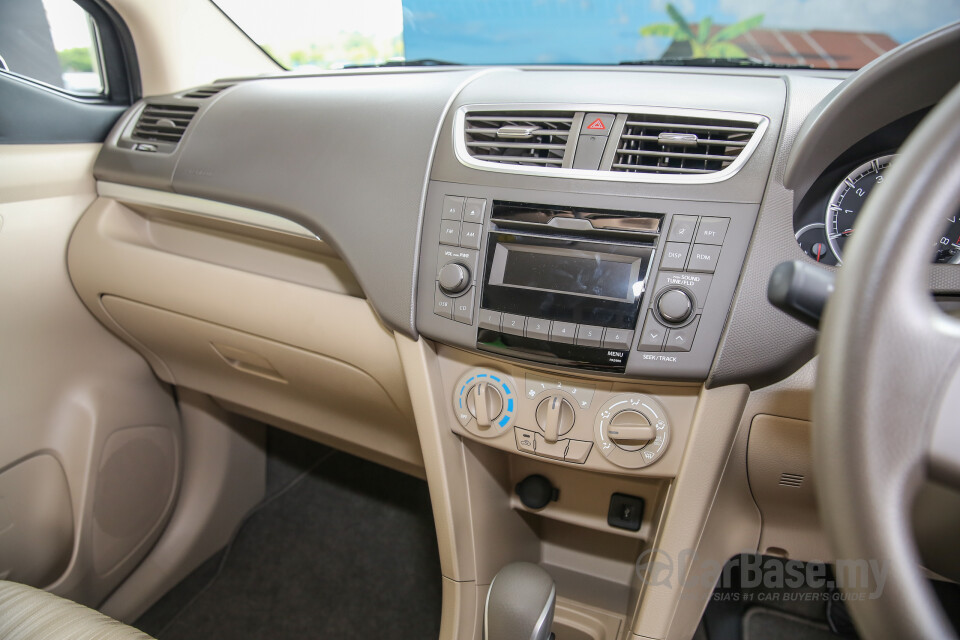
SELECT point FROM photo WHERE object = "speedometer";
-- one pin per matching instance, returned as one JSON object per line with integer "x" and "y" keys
{"x": 848, "y": 199}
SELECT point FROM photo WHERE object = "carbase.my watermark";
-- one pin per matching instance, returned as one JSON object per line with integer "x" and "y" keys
{"x": 860, "y": 579}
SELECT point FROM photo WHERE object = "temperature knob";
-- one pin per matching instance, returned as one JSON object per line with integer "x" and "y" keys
{"x": 555, "y": 417}
{"x": 453, "y": 278}
{"x": 485, "y": 402}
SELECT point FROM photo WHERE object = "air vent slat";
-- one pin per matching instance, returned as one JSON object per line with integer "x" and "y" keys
{"x": 202, "y": 93}
{"x": 163, "y": 123}
{"x": 680, "y": 144}
{"x": 531, "y": 138}
{"x": 664, "y": 169}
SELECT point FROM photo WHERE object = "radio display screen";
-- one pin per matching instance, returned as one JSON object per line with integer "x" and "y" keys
{"x": 599, "y": 275}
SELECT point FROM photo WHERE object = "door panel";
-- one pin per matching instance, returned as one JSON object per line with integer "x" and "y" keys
{"x": 90, "y": 442}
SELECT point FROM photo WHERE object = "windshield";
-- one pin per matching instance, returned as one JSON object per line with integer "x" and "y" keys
{"x": 828, "y": 34}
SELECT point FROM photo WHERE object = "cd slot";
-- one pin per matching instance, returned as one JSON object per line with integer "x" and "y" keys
{"x": 583, "y": 222}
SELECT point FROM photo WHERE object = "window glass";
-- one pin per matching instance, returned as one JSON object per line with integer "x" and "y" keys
{"x": 53, "y": 42}
{"x": 826, "y": 34}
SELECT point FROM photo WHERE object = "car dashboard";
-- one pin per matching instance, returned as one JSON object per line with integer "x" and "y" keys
{"x": 479, "y": 275}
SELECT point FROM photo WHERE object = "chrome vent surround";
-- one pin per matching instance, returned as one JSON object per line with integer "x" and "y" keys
{"x": 163, "y": 122}
{"x": 663, "y": 144}
{"x": 202, "y": 93}
{"x": 530, "y": 138}
{"x": 645, "y": 144}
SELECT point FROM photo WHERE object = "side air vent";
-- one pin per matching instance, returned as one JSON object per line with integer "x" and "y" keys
{"x": 680, "y": 145}
{"x": 163, "y": 122}
{"x": 201, "y": 93}
{"x": 529, "y": 138}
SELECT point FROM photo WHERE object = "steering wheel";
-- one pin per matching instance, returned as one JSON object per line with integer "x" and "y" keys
{"x": 887, "y": 401}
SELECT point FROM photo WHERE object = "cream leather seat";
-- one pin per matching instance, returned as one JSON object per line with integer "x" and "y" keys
{"x": 31, "y": 614}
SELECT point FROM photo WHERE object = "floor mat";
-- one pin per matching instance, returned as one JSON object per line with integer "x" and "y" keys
{"x": 345, "y": 550}
{"x": 761, "y": 623}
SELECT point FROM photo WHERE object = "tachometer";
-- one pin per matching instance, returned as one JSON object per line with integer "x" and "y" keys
{"x": 848, "y": 199}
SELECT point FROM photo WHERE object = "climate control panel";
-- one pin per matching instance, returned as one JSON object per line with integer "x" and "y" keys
{"x": 600, "y": 425}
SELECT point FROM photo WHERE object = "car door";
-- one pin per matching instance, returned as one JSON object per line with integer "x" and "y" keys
{"x": 90, "y": 441}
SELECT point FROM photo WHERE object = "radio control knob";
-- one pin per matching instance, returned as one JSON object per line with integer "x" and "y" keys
{"x": 674, "y": 306}
{"x": 454, "y": 278}
{"x": 555, "y": 417}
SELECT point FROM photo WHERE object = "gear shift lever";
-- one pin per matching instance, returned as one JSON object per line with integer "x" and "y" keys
{"x": 520, "y": 604}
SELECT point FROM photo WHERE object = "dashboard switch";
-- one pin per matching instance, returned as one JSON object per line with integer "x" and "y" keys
{"x": 538, "y": 329}
{"x": 453, "y": 278}
{"x": 473, "y": 210}
{"x": 442, "y": 305}
{"x": 703, "y": 258}
{"x": 463, "y": 307}
{"x": 450, "y": 232}
{"x": 554, "y": 451}
{"x": 490, "y": 319}
{"x": 564, "y": 332}
{"x": 524, "y": 440}
{"x": 589, "y": 336}
{"x": 577, "y": 451}
{"x": 682, "y": 339}
{"x": 470, "y": 235}
{"x": 675, "y": 256}
{"x": 452, "y": 208}
{"x": 682, "y": 228}
{"x": 512, "y": 324}
{"x": 712, "y": 230}
{"x": 617, "y": 339}
{"x": 653, "y": 335}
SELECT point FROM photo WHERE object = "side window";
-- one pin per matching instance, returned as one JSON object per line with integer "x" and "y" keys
{"x": 54, "y": 42}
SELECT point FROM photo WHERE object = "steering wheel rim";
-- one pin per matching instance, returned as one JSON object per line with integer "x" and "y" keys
{"x": 886, "y": 395}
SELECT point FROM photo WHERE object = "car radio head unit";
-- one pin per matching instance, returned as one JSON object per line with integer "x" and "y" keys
{"x": 578, "y": 272}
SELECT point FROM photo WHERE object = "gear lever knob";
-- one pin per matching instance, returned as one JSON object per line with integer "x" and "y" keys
{"x": 520, "y": 604}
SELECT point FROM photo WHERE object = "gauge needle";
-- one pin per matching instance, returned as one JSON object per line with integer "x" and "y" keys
{"x": 819, "y": 251}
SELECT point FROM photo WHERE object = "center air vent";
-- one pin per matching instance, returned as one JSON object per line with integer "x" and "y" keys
{"x": 163, "y": 122}
{"x": 680, "y": 145}
{"x": 201, "y": 93}
{"x": 530, "y": 138}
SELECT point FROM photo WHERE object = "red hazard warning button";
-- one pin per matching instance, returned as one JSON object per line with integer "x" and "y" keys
{"x": 597, "y": 124}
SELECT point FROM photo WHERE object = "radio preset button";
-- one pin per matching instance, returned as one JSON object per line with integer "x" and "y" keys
{"x": 538, "y": 329}
{"x": 452, "y": 207}
{"x": 682, "y": 339}
{"x": 653, "y": 334}
{"x": 442, "y": 305}
{"x": 450, "y": 232}
{"x": 682, "y": 229}
{"x": 674, "y": 306}
{"x": 512, "y": 324}
{"x": 712, "y": 230}
{"x": 453, "y": 278}
{"x": 703, "y": 258}
{"x": 490, "y": 319}
{"x": 674, "y": 256}
{"x": 473, "y": 210}
{"x": 565, "y": 332}
{"x": 463, "y": 307}
{"x": 620, "y": 339}
{"x": 589, "y": 336}
{"x": 470, "y": 235}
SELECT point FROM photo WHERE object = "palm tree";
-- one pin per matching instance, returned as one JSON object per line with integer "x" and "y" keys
{"x": 703, "y": 44}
